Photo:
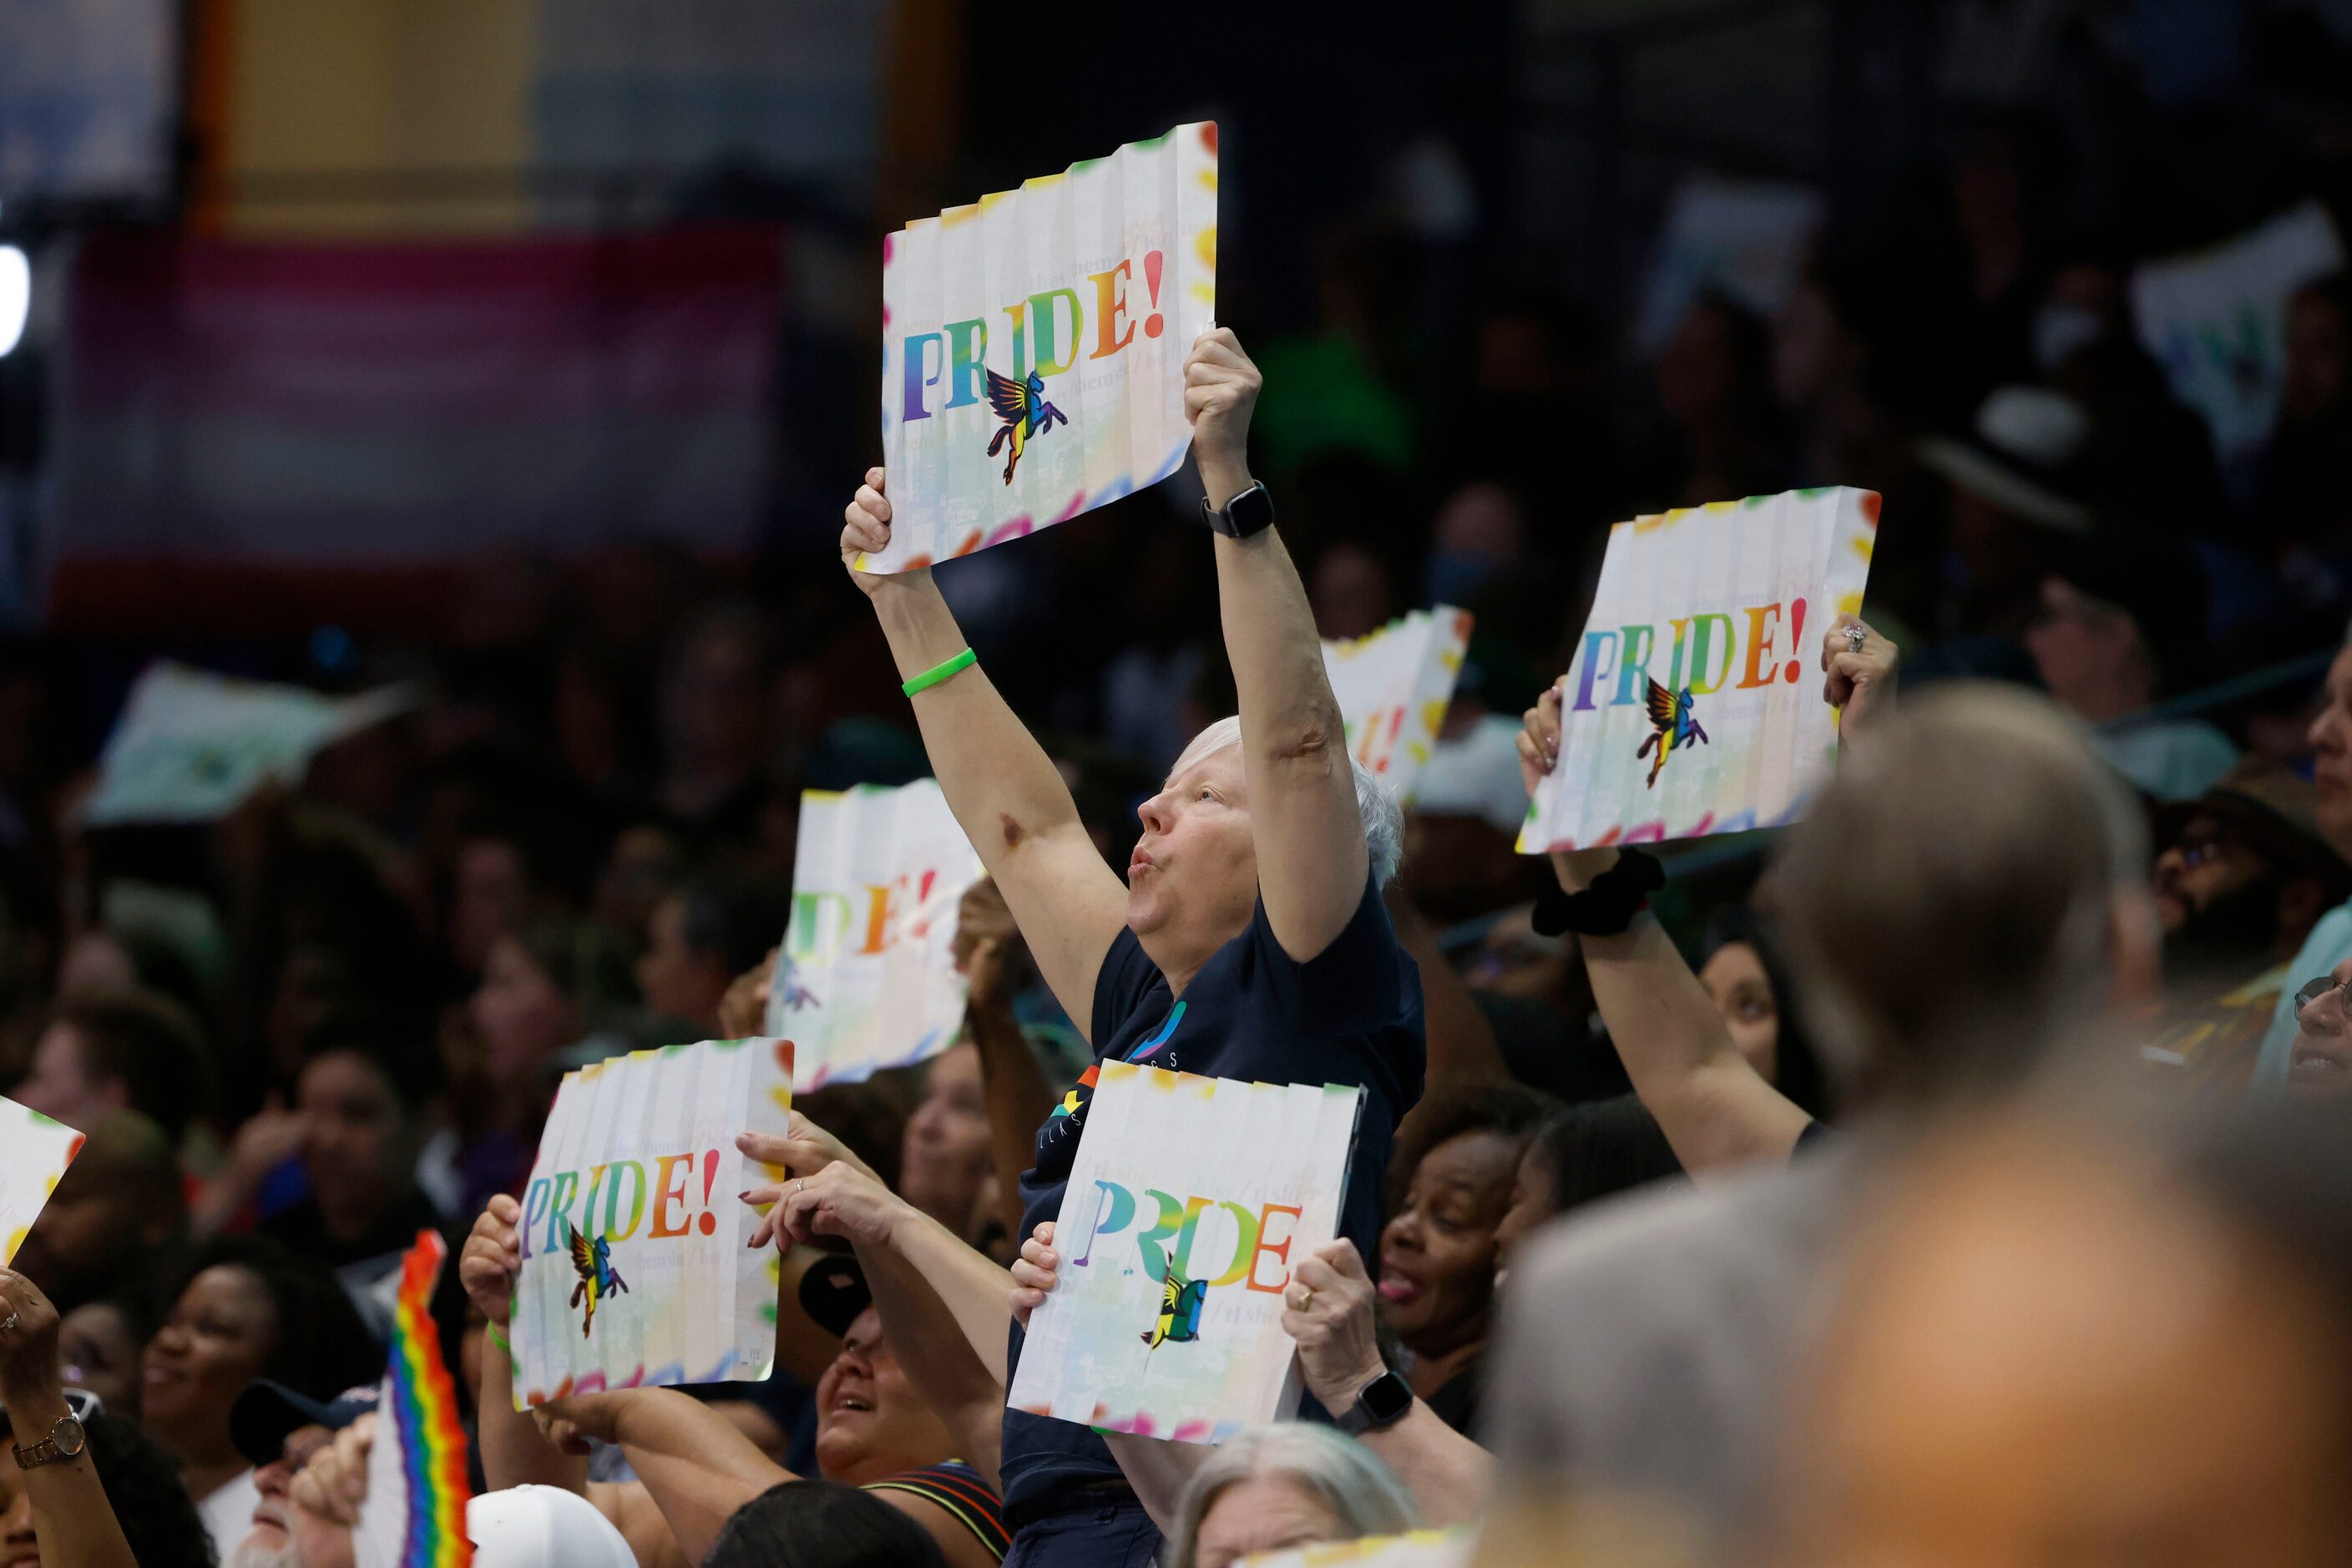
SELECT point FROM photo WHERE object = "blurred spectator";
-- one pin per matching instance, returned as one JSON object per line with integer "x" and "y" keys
{"x": 945, "y": 1169}
{"x": 2014, "y": 480}
{"x": 1715, "y": 385}
{"x": 2187, "y": 1385}
{"x": 2303, "y": 490}
{"x": 247, "y": 1309}
{"x": 130, "y": 1048}
{"x": 821, "y": 1524}
{"x": 1349, "y": 589}
{"x": 549, "y": 984}
{"x": 363, "y": 1097}
{"x": 2242, "y": 874}
{"x": 648, "y": 862}
{"x": 703, "y": 936}
{"x": 1457, "y": 1155}
{"x": 118, "y": 1207}
{"x": 2118, "y": 624}
{"x": 1581, "y": 1154}
{"x": 713, "y": 710}
{"x": 1277, "y": 1487}
{"x": 1749, "y": 982}
{"x": 100, "y": 1344}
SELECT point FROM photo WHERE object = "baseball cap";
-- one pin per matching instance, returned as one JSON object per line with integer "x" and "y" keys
{"x": 266, "y": 1413}
{"x": 834, "y": 1292}
{"x": 542, "y": 1527}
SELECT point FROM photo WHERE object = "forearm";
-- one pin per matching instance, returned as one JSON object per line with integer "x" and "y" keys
{"x": 973, "y": 1292}
{"x": 1009, "y": 799}
{"x": 1715, "y": 1108}
{"x": 71, "y": 1516}
{"x": 1158, "y": 1470}
{"x": 1450, "y": 1476}
{"x": 1017, "y": 1097}
{"x": 1309, "y": 836}
{"x": 987, "y": 761}
{"x": 513, "y": 1453}
{"x": 942, "y": 1366}
{"x": 698, "y": 1468}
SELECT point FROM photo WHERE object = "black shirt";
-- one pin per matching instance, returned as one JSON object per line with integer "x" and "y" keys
{"x": 1350, "y": 1015}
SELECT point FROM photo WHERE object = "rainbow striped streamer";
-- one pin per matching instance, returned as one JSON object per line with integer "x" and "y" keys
{"x": 422, "y": 1403}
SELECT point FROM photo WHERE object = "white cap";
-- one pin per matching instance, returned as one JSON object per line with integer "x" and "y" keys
{"x": 1475, "y": 775}
{"x": 542, "y": 1527}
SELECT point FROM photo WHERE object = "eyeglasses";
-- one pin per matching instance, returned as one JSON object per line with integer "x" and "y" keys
{"x": 2313, "y": 990}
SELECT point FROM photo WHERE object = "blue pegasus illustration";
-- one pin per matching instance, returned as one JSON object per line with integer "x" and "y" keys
{"x": 598, "y": 1278}
{"x": 1026, "y": 414}
{"x": 1180, "y": 1300}
{"x": 1671, "y": 712}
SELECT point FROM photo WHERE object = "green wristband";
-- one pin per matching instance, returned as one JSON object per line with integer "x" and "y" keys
{"x": 497, "y": 1336}
{"x": 940, "y": 672}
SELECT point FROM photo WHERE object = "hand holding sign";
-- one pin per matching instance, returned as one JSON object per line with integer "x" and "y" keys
{"x": 1687, "y": 708}
{"x": 1220, "y": 388}
{"x": 1032, "y": 345}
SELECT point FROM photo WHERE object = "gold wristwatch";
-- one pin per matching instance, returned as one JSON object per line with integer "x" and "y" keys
{"x": 66, "y": 1441}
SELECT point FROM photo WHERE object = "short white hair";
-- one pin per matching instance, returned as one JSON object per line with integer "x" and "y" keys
{"x": 1375, "y": 802}
{"x": 1364, "y": 1496}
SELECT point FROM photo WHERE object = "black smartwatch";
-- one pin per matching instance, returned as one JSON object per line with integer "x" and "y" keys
{"x": 1381, "y": 1403}
{"x": 1251, "y": 511}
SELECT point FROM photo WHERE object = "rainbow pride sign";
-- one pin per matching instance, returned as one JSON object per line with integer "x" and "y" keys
{"x": 866, "y": 977}
{"x": 1033, "y": 343}
{"x": 1693, "y": 702}
{"x": 1190, "y": 1200}
{"x": 1394, "y": 688}
{"x": 636, "y": 1267}
{"x": 34, "y": 1154}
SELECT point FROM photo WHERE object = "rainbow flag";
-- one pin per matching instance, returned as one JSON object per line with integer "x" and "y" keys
{"x": 417, "y": 1491}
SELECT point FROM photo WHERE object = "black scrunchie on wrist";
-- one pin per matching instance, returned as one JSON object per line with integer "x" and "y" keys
{"x": 1608, "y": 906}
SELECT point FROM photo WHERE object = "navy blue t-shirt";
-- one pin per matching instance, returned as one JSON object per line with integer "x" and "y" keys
{"x": 1350, "y": 1014}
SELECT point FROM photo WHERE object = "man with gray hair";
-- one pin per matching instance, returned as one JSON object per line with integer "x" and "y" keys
{"x": 1968, "y": 891}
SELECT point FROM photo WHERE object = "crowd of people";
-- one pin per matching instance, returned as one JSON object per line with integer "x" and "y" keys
{"x": 1959, "y": 1177}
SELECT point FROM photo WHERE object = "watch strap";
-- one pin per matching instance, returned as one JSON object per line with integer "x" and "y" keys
{"x": 52, "y": 1448}
{"x": 1359, "y": 1417}
{"x": 1248, "y": 514}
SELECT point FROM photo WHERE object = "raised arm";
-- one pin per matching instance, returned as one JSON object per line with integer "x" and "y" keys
{"x": 1340, "y": 1355}
{"x": 1005, "y": 790}
{"x": 73, "y": 1522}
{"x": 971, "y": 1291}
{"x": 513, "y": 1450}
{"x": 1715, "y": 1108}
{"x": 696, "y": 1464}
{"x": 1311, "y": 859}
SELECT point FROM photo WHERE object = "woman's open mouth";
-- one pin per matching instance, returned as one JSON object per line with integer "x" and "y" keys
{"x": 2320, "y": 1064}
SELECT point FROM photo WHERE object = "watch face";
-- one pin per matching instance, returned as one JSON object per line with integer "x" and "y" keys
{"x": 1387, "y": 1398}
{"x": 68, "y": 1437}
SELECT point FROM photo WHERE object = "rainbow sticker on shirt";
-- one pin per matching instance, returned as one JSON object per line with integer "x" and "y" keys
{"x": 1074, "y": 1099}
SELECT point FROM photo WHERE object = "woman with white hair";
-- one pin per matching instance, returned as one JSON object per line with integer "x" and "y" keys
{"x": 1275, "y": 1487}
{"x": 1248, "y": 940}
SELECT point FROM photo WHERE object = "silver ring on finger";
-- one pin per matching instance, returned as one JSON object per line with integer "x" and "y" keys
{"x": 1856, "y": 636}
{"x": 10, "y": 1322}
